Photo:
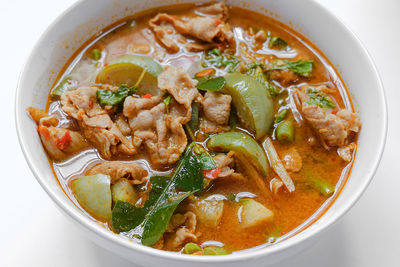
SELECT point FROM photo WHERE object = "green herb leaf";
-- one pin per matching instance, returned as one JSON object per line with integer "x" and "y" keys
{"x": 204, "y": 157}
{"x": 158, "y": 220}
{"x": 303, "y": 68}
{"x": 150, "y": 221}
{"x": 215, "y": 58}
{"x": 211, "y": 84}
{"x": 111, "y": 98}
{"x": 167, "y": 101}
{"x": 65, "y": 85}
{"x": 125, "y": 216}
{"x": 278, "y": 42}
{"x": 319, "y": 98}
{"x": 189, "y": 174}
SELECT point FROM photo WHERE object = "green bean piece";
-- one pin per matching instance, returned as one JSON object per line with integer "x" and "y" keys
{"x": 323, "y": 186}
{"x": 215, "y": 251}
{"x": 96, "y": 54}
{"x": 281, "y": 115}
{"x": 285, "y": 131}
{"x": 191, "y": 248}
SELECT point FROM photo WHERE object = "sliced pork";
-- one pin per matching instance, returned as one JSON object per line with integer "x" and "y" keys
{"x": 334, "y": 126}
{"x": 95, "y": 122}
{"x": 217, "y": 107}
{"x": 209, "y": 28}
{"x": 162, "y": 134}
{"x": 118, "y": 169}
{"x": 61, "y": 143}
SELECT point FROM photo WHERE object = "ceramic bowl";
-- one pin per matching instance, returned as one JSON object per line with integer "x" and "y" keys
{"x": 328, "y": 33}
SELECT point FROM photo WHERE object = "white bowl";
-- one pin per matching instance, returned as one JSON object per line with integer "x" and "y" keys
{"x": 335, "y": 40}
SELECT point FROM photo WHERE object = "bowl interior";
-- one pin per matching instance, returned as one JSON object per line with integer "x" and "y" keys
{"x": 87, "y": 17}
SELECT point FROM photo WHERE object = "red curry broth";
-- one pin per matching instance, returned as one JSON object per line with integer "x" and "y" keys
{"x": 290, "y": 210}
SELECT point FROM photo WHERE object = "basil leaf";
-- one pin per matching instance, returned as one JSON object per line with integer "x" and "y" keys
{"x": 189, "y": 175}
{"x": 211, "y": 84}
{"x": 278, "y": 42}
{"x": 303, "y": 68}
{"x": 150, "y": 221}
{"x": 125, "y": 216}
{"x": 204, "y": 157}
{"x": 158, "y": 220}
{"x": 111, "y": 98}
{"x": 319, "y": 98}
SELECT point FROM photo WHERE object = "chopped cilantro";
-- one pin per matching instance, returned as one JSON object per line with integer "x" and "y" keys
{"x": 277, "y": 42}
{"x": 216, "y": 58}
{"x": 319, "y": 98}
{"x": 301, "y": 67}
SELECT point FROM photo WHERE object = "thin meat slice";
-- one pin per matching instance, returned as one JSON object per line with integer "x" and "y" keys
{"x": 118, "y": 169}
{"x": 61, "y": 143}
{"x": 134, "y": 105}
{"x": 217, "y": 10}
{"x": 162, "y": 134}
{"x": 207, "y": 29}
{"x": 210, "y": 28}
{"x": 183, "y": 229}
{"x": 292, "y": 160}
{"x": 334, "y": 129}
{"x": 95, "y": 122}
{"x": 217, "y": 107}
{"x": 285, "y": 77}
{"x": 207, "y": 127}
{"x": 122, "y": 124}
{"x": 181, "y": 86}
{"x": 226, "y": 164}
{"x": 162, "y": 26}
{"x": 346, "y": 152}
{"x": 41, "y": 117}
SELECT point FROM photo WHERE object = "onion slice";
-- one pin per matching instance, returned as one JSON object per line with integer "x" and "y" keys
{"x": 277, "y": 164}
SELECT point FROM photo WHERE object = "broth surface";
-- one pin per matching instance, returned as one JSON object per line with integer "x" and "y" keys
{"x": 292, "y": 211}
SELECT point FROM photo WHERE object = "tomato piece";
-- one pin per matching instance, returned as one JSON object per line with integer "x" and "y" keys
{"x": 147, "y": 96}
{"x": 205, "y": 73}
{"x": 64, "y": 141}
{"x": 211, "y": 174}
{"x": 43, "y": 131}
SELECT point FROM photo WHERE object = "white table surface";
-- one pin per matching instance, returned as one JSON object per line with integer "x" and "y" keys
{"x": 34, "y": 233}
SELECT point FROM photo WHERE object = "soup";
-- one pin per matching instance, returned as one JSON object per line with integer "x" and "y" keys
{"x": 203, "y": 130}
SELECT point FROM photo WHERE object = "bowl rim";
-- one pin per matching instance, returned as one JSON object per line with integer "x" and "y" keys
{"x": 88, "y": 224}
